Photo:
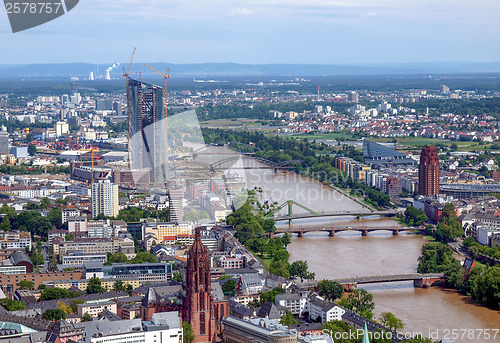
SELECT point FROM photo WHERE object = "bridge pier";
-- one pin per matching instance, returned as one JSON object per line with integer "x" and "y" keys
{"x": 425, "y": 282}
{"x": 331, "y": 233}
{"x": 395, "y": 232}
{"x": 364, "y": 233}
{"x": 300, "y": 233}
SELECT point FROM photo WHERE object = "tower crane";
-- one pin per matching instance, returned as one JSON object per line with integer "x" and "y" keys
{"x": 126, "y": 74}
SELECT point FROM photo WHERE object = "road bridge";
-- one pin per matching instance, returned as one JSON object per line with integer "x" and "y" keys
{"x": 333, "y": 230}
{"x": 419, "y": 280}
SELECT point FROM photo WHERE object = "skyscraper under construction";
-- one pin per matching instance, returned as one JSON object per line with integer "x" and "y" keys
{"x": 147, "y": 129}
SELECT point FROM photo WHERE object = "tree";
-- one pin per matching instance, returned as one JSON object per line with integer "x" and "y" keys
{"x": 55, "y": 217}
{"x": 143, "y": 257}
{"x": 53, "y": 314}
{"x": 73, "y": 304}
{"x": 94, "y": 286}
{"x": 286, "y": 239}
{"x": 119, "y": 286}
{"x": 69, "y": 237}
{"x": 279, "y": 268}
{"x": 188, "y": 333}
{"x": 12, "y": 305}
{"x": 31, "y": 149}
{"x": 117, "y": 257}
{"x": 65, "y": 308}
{"x": 449, "y": 227}
{"x": 5, "y": 224}
{"x": 330, "y": 290}
{"x": 414, "y": 216}
{"x": 87, "y": 317}
{"x": 229, "y": 287}
{"x": 24, "y": 284}
{"x": 288, "y": 319}
{"x": 54, "y": 293}
{"x": 359, "y": 301}
{"x": 300, "y": 269}
{"x": 391, "y": 321}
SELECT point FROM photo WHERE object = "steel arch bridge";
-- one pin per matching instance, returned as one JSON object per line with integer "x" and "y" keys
{"x": 251, "y": 163}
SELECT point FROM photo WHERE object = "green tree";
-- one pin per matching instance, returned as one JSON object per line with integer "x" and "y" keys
{"x": 117, "y": 257}
{"x": 24, "y": 284}
{"x": 53, "y": 314}
{"x": 119, "y": 286}
{"x": 229, "y": 288}
{"x": 449, "y": 227}
{"x": 486, "y": 287}
{"x": 143, "y": 257}
{"x": 279, "y": 268}
{"x": 389, "y": 320}
{"x": 94, "y": 286}
{"x": 359, "y": 301}
{"x": 414, "y": 216}
{"x": 288, "y": 319}
{"x": 330, "y": 290}
{"x": 63, "y": 307}
{"x": 55, "y": 217}
{"x": 69, "y": 237}
{"x": 12, "y": 305}
{"x": 5, "y": 224}
{"x": 54, "y": 293}
{"x": 187, "y": 333}
{"x": 87, "y": 317}
{"x": 300, "y": 269}
{"x": 286, "y": 239}
{"x": 31, "y": 149}
{"x": 73, "y": 304}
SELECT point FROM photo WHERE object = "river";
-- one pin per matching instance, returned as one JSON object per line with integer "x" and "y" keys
{"x": 434, "y": 312}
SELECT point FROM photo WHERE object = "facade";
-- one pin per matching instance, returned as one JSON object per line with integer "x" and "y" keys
{"x": 198, "y": 307}
{"x": 147, "y": 129}
{"x": 15, "y": 240}
{"x": 86, "y": 246}
{"x": 428, "y": 172}
{"x": 175, "y": 196}
{"x": 105, "y": 199}
{"x": 294, "y": 302}
{"x": 393, "y": 187}
{"x": 9, "y": 283}
{"x": 258, "y": 331}
{"x": 324, "y": 311}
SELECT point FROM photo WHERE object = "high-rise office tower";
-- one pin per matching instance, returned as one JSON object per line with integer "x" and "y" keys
{"x": 428, "y": 171}
{"x": 352, "y": 97}
{"x": 147, "y": 129}
{"x": 105, "y": 199}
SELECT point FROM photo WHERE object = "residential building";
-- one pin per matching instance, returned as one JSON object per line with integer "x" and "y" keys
{"x": 15, "y": 240}
{"x": 105, "y": 199}
{"x": 324, "y": 311}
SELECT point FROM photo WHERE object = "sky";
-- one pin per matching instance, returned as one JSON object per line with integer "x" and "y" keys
{"x": 261, "y": 32}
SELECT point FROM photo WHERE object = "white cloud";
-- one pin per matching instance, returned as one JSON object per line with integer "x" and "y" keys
{"x": 243, "y": 11}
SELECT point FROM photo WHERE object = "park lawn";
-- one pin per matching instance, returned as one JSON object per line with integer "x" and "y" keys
{"x": 266, "y": 261}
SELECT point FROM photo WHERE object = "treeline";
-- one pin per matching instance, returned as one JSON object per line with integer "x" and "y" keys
{"x": 31, "y": 221}
{"x": 25, "y": 169}
{"x": 261, "y": 110}
{"x": 487, "y": 106}
{"x": 317, "y": 160}
{"x": 481, "y": 284}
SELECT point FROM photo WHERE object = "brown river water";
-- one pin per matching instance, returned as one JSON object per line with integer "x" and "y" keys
{"x": 435, "y": 313}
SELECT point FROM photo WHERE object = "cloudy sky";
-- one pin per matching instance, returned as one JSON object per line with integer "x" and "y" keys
{"x": 262, "y": 31}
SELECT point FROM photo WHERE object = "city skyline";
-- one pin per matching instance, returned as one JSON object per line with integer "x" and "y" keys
{"x": 319, "y": 32}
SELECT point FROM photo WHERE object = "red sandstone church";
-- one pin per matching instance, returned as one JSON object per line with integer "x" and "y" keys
{"x": 201, "y": 302}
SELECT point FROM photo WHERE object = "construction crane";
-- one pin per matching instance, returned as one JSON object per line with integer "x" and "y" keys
{"x": 165, "y": 76}
{"x": 126, "y": 74}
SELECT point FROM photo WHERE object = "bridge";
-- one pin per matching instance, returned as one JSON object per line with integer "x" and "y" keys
{"x": 310, "y": 213}
{"x": 333, "y": 230}
{"x": 237, "y": 162}
{"x": 361, "y": 213}
{"x": 419, "y": 280}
